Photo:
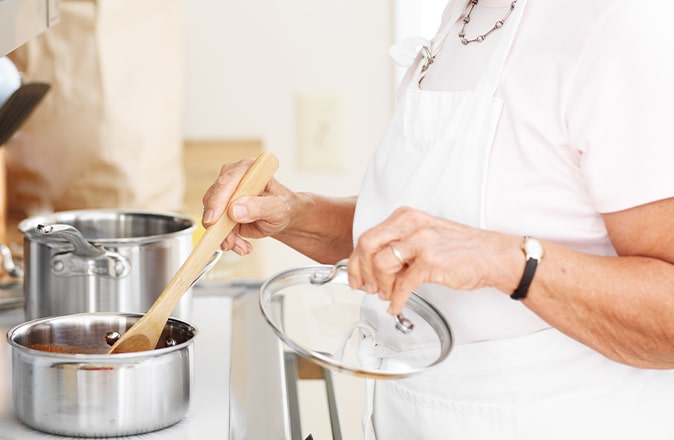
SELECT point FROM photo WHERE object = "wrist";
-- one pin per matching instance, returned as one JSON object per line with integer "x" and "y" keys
{"x": 533, "y": 254}
{"x": 503, "y": 261}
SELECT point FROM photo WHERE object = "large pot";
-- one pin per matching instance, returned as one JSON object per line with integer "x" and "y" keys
{"x": 99, "y": 395}
{"x": 102, "y": 261}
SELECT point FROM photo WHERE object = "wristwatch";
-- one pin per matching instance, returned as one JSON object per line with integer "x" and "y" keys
{"x": 533, "y": 252}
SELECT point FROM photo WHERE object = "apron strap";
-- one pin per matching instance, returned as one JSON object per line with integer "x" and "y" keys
{"x": 490, "y": 77}
{"x": 453, "y": 12}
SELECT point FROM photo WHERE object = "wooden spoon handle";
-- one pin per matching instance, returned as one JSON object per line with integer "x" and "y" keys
{"x": 252, "y": 183}
{"x": 145, "y": 333}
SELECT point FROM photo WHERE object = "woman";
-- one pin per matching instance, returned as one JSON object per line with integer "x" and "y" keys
{"x": 525, "y": 188}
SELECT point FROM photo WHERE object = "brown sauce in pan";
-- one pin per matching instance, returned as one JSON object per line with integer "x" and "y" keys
{"x": 66, "y": 349}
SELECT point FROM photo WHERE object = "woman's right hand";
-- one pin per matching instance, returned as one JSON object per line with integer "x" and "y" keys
{"x": 256, "y": 216}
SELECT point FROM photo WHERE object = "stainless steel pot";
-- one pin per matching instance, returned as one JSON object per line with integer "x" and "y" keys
{"x": 102, "y": 261}
{"x": 99, "y": 395}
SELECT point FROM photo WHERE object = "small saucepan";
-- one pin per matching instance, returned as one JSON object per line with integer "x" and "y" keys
{"x": 64, "y": 383}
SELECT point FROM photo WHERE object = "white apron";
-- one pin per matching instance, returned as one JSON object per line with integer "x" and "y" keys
{"x": 529, "y": 382}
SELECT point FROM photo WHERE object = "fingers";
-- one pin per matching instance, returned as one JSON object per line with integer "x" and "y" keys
{"x": 392, "y": 278}
{"x": 262, "y": 216}
{"x": 256, "y": 216}
{"x": 217, "y": 196}
{"x": 383, "y": 261}
{"x": 389, "y": 266}
{"x": 252, "y": 209}
{"x": 398, "y": 255}
{"x": 237, "y": 244}
{"x": 383, "y": 273}
{"x": 402, "y": 289}
{"x": 373, "y": 263}
{"x": 371, "y": 259}
{"x": 395, "y": 277}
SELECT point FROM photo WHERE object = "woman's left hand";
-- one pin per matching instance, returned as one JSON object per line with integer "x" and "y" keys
{"x": 411, "y": 248}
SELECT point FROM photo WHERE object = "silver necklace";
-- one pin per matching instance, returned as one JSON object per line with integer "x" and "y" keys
{"x": 480, "y": 38}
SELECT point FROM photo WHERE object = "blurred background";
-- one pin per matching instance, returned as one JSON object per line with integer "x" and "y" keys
{"x": 147, "y": 99}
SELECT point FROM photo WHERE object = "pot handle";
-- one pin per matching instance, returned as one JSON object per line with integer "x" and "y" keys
{"x": 72, "y": 235}
{"x": 86, "y": 258}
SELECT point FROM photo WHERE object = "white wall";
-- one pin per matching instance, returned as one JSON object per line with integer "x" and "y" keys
{"x": 247, "y": 60}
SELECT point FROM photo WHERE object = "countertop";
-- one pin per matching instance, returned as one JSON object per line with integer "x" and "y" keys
{"x": 240, "y": 383}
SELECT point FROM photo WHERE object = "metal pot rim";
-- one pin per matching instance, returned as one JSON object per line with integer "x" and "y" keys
{"x": 26, "y": 225}
{"x": 122, "y": 357}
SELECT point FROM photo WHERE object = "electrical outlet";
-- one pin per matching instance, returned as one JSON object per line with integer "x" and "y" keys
{"x": 322, "y": 131}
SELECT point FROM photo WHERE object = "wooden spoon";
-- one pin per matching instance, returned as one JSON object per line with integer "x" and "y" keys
{"x": 145, "y": 333}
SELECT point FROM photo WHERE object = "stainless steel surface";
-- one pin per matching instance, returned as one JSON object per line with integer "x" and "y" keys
{"x": 403, "y": 324}
{"x": 346, "y": 330}
{"x": 103, "y": 260}
{"x": 21, "y": 20}
{"x": 98, "y": 395}
{"x": 292, "y": 382}
{"x": 258, "y": 390}
{"x": 239, "y": 387}
{"x": 86, "y": 258}
{"x": 81, "y": 247}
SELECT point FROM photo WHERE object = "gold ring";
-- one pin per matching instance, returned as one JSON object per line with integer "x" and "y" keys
{"x": 398, "y": 255}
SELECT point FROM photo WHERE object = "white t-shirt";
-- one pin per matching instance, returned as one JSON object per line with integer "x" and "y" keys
{"x": 588, "y": 119}
{"x": 587, "y": 127}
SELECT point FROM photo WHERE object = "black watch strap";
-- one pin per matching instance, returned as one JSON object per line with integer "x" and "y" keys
{"x": 525, "y": 282}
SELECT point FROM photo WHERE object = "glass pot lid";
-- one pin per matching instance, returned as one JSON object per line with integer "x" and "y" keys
{"x": 316, "y": 314}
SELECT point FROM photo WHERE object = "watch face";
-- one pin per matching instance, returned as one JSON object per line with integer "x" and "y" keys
{"x": 532, "y": 248}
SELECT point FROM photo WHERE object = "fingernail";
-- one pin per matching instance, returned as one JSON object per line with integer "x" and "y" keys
{"x": 208, "y": 216}
{"x": 238, "y": 250}
{"x": 240, "y": 212}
